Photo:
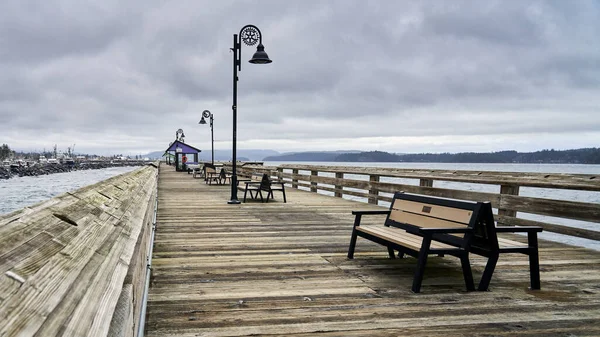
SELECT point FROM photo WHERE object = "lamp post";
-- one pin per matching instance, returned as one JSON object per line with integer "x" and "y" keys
{"x": 250, "y": 35}
{"x": 208, "y": 114}
{"x": 179, "y": 135}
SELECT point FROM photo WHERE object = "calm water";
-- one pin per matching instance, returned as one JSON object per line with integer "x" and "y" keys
{"x": 19, "y": 192}
{"x": 583, "y": 196}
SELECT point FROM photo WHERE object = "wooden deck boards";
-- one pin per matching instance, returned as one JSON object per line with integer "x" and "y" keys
{"x": 281, "y": 269}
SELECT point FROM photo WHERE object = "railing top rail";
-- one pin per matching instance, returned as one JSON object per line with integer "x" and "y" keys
{"x": 585, "y": 182}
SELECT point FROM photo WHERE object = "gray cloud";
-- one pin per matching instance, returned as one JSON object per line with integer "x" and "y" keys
{"x": 116, "y": 76}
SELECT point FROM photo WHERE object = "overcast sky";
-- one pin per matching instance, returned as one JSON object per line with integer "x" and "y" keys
{"x": 115, "y": 76}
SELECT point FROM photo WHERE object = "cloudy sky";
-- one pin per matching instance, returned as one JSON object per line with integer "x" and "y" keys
{"x": 117, "y": 76}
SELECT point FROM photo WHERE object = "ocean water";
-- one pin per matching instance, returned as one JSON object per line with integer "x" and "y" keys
{"x": 557, "y": 194}
{"x": 19, "y": 192}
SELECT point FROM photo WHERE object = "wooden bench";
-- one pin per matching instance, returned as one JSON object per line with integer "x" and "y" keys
{"x": 210, "y": 174}
{"x": 252, "y": 185}
{"x": 268, "y": 185}
{"x": 420, "y": 225}
{"x": 265, "y": 184}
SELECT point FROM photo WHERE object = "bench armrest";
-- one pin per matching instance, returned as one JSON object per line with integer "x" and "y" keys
{"x": 370, "y": 212}
{"x": 445, "y": 230}
{"x": 359, "y": 214}
{"x": 516, "y": 229}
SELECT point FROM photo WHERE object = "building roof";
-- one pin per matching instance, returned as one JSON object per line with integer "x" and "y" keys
{"x": 185, "y": 148}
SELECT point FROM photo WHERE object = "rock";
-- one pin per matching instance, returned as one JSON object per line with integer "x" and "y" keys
{"x": 6, "y": 172}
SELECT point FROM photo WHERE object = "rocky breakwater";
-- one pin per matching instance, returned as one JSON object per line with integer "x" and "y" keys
{"x": 43, "y": 169}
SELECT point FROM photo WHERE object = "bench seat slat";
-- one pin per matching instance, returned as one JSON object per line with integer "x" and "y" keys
{"x": 400, "y": 237}
{"x": 390, "y": 232}
{"x": 436, "y": 211}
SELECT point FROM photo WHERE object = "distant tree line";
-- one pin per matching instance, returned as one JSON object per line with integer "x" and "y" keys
{"x": 6, "y": 152}
{"x": 577, "y": 156}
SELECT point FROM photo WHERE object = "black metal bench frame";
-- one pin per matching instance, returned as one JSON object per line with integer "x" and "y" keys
{"x": 266, "y": 184}
{"x": 480, "y": 237}
{"x": 252, "y": 185}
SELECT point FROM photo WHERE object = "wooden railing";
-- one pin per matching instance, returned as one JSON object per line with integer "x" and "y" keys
{"x": 376, "y": 185}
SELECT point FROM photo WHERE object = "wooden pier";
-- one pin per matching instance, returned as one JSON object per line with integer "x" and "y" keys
{"x": 281, "y": 269}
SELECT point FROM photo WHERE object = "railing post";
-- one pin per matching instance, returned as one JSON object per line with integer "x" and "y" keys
{"x": 339, "y": 188}
{"x": 313, "y": 184}
{"x": 512, "y": 190}
{"x": 373, "y": 192}
{"x": 426, "y": 182}
{"x": 294, "y": 178}
{"x": 280, "y": 173}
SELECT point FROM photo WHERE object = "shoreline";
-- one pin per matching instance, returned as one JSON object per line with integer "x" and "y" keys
{"x": 46, "y": 169}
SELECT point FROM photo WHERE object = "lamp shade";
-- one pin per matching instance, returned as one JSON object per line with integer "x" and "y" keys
{"x": 260, "y": 57}
{"x": 202, "y": 121}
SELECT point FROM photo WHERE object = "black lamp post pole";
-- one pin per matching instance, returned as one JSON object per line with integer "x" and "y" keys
{"x": 236, "y": 64}
{"x": 212, "y": 141}
{"x": 250, "y": 35}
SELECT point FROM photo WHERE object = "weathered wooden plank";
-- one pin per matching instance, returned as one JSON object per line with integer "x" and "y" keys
{"x": 558, "y": 208}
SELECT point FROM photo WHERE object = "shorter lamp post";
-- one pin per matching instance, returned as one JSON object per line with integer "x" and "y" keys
{"x": 179, "y": 135}
{"x": 208, "y": 114}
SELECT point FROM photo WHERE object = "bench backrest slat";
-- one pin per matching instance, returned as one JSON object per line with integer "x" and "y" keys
{"x": 422, "y": 220}
{"x": 409, "y": 211}
{"x": 265, "y": 183}
{"x": 428, "y": 210}
{"x": 209, "y": 168}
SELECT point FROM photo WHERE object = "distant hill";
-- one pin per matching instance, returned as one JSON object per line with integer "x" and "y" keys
{"x": 308, "y": 156}
{"x": 576, "y": 156}
{"x": 373, "y": 156}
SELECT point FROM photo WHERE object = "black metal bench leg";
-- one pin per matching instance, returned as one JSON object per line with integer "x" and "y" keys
{"x": 418, "y": 278}
{"x": 400, "y": 255}
{"x": 283, "y": 190}
{"x": 467, "y": 273}
{"x": 391, "y": 252}
{"x": 488, "y": 272}
{"x": 353, "y": 237}
{"x": 534, "y": 261}
{"x": 245, "y": 192}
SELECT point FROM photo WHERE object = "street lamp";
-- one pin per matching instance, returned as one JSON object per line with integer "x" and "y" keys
{"x": 250, "y": 35}
{"x": 208, "y": 114}
{"x": 179, "y": 135}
